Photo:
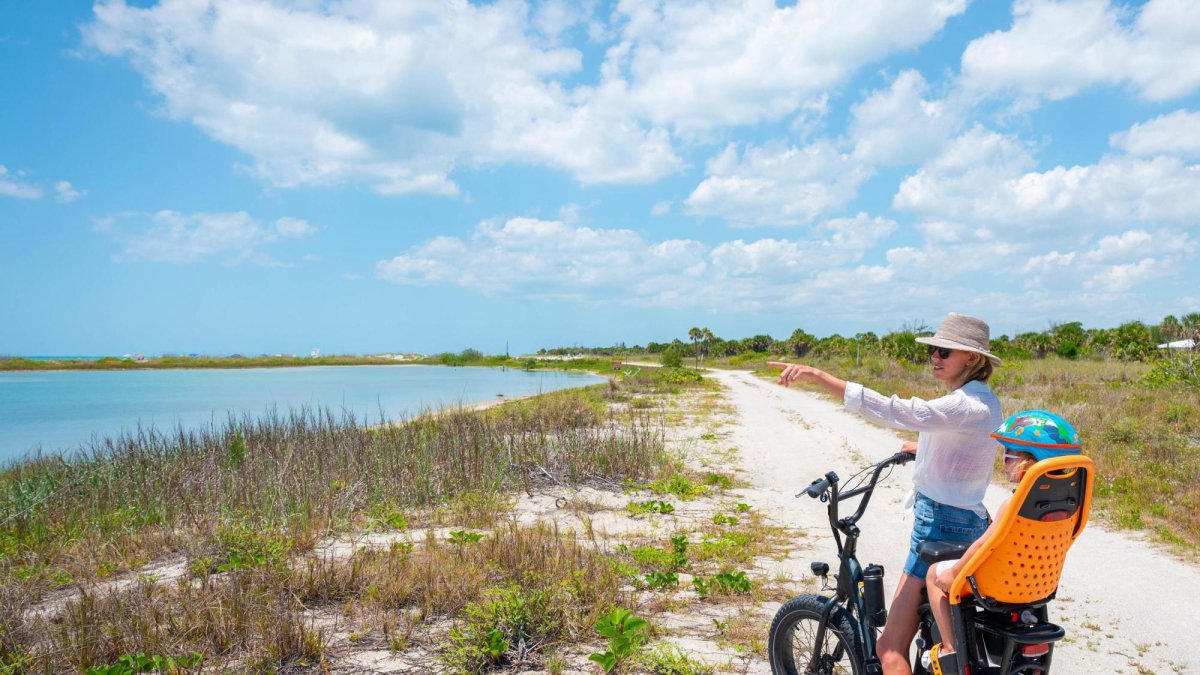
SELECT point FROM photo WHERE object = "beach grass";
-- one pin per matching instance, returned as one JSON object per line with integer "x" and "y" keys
{"x": 237, "y": 505}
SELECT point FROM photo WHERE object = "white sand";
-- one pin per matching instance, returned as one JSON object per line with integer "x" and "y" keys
{"x": 1126, "y": 606}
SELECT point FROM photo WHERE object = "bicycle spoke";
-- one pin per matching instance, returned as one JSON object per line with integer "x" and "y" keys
{"x": 825, "y": 663}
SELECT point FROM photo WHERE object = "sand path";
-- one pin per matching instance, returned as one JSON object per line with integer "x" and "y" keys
{"x": 1113, "y": 597}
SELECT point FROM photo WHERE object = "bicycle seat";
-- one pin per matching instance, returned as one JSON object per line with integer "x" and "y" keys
{"x": 1021, "y": 560}
{"x": 932, "y": 552}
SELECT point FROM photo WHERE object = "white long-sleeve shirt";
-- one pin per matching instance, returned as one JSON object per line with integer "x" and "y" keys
{"x": 954, "y": 451}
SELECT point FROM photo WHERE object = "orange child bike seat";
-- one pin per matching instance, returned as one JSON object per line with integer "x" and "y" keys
{"x": 1021, "y": 561}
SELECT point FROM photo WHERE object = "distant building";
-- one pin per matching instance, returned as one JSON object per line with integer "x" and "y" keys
{"x": 315, "y": 353}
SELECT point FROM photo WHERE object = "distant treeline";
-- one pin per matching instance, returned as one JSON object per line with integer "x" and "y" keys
{"x": 1133, "y": 341}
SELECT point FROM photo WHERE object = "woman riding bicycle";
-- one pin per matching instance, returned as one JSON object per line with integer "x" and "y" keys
{"x": 954, "y": 455}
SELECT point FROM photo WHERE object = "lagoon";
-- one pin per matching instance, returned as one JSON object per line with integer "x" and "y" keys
{"x": 60, "y": 411}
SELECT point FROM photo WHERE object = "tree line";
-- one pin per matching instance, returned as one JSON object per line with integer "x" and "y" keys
{"x": 1132, "y": 341}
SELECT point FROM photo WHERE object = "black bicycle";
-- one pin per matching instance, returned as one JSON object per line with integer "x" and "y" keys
{"x": 815, "y": 634}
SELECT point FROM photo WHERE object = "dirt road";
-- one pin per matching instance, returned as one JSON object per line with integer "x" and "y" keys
{"x": 1127, "y": 607}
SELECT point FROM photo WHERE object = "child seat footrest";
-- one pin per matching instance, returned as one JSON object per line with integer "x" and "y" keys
{"x": 1026, "y": 635}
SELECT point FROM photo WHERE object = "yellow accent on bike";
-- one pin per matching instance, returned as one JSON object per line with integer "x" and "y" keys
{"x": 935, "y": 656}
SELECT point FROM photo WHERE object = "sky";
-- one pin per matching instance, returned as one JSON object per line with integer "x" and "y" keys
{"x": 365, "y": 176}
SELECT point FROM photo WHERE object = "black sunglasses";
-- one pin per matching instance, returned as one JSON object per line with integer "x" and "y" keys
{"x": 943, "y": 352}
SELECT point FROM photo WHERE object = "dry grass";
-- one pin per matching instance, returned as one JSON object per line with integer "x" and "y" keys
{"x": 1144, "y": 438}
{"x": 242, "y": 501}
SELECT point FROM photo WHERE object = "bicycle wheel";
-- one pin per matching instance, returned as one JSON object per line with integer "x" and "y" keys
{"x": 793, "y": 636}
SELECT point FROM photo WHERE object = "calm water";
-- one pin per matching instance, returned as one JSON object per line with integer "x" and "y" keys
{"x": 59, "y": 410}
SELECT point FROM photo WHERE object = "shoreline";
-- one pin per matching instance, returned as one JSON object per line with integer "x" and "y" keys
{"x": 50, "y": 431}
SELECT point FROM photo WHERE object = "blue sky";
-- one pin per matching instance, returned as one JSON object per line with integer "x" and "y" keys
{"x": 264, "y": 176}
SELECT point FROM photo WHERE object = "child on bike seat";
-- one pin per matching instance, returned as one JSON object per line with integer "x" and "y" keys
{"x": 1028, "y": 437}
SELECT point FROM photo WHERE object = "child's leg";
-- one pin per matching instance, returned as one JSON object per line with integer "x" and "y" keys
{"x": 940, "y": 605}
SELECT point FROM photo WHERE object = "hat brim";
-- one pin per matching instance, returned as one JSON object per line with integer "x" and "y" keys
{"x": 943, "y": 342}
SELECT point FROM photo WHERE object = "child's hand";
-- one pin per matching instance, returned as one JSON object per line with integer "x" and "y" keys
{"x": 945, "y": 577}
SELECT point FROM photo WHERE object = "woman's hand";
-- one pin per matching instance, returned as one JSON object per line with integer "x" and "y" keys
{"x": 794, "y": 372}
{"x": 909, "y": 446}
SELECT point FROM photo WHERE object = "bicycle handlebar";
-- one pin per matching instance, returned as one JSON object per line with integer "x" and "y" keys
{"x": 830, "y": 484}
{"x": 820, "y": 485}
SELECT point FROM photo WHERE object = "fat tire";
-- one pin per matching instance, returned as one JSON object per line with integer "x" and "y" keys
{"x": 795, "y": 628}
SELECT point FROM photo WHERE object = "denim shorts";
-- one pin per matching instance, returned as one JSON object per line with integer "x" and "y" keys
{"x": 934, "y": 521}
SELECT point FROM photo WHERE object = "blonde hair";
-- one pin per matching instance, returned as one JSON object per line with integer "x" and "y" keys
{"x": 981, "y": 370}
{"x": 1027, "y": 461}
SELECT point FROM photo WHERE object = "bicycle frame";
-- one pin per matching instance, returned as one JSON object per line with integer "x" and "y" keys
{"x": 850, "y": 571}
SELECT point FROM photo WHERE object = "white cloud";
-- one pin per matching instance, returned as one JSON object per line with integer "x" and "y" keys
{"x": 553, "y": 17}
{"x": 944, "y": 231}
{"x": 781, "y": 258}
{"x": 65, "y": 193}
{"x": 1117, "y": 247}
{"x": 1176, "y": 134}
{"x": 1124, "y": 276}
{"x": 173, "y": 237}
{"x": 662, "y": 207}
{"x": 985, "y": 177}
{"x": 13, "y": 185}
{"x": 699, "y": 65}
{"x": 545, "y": 259}
{"x": 898, "y": 125}
{"x": 1055, "y": 50}
{"x": 17, "y": 184}
{"x": 777, "y": 184}
{"x": 1048, "y": 262}
{"x": 292, "y": 228}
{"x": 968, "y": 177}
{"x": 368, "y": 91}
{"x": 318, "y": 92}
{"x": 551, "y": 259}
{"x": 1115, "y": 264}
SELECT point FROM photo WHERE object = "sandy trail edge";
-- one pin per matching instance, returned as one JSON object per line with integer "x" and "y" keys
{"x": 1112, "y": 599}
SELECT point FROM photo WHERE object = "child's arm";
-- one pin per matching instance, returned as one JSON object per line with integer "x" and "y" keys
{"x": 946, "y": 576}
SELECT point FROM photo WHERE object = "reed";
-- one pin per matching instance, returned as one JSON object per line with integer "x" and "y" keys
{"x": 243, "y": 500}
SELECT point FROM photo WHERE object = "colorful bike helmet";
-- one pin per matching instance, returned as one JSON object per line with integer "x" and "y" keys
{"x": 1040, "y": 433}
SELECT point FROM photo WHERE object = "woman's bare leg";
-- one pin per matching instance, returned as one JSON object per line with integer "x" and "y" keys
{"x": 901, "y": 626}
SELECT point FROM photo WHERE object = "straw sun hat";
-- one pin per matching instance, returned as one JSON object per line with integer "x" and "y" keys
{"x": 962, "y": 332}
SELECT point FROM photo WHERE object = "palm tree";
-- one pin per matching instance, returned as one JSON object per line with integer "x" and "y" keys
{"x": 696, "y": 335}
{"x": 706, "y": 340}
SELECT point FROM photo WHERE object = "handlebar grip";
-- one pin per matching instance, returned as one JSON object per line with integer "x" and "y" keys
{"x": 816, "y": 488}
{"x": 902, "y": 458}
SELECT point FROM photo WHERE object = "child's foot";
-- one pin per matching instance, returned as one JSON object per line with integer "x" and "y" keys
{"x": 942, "y": 662}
